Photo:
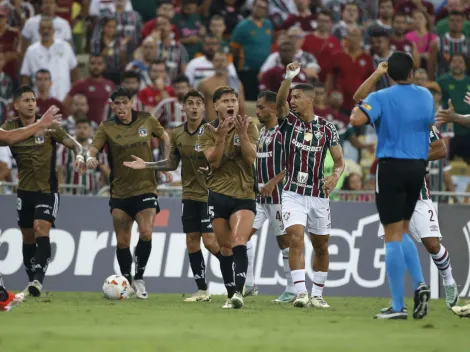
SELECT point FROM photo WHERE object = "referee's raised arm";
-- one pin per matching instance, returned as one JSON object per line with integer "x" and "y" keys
{"x": 402, "y": 116}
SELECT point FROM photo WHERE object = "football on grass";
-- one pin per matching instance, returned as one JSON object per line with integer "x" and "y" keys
{"x": 116, "y": 287}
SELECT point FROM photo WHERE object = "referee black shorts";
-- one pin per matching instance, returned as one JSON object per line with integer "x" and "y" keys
{"x": 397, "y": 188}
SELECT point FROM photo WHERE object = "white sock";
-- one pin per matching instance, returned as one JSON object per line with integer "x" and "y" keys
{"x": 285, "y": 258}
{"x": 319, "y": 279}
{"x": 442, "y": 261}
{"x": 250, "y": 277}
{"x": 298, "y": 277}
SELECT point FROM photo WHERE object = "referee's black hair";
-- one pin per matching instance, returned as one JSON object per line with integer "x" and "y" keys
{"x": 400, "y": 65}
{"x": 21, "y": 90}
{"x": 121, "y": 92}
{"x": 268, "y": 95}
{"x": 193, "y": 93}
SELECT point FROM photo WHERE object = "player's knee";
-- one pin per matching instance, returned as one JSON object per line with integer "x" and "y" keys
{"x": 296, "y": 241}
{"x": 282, "y": 242}
{"x": 226, "y": 251}
{"x": 41, "y": 228}
{"x": 193, "y": 242}
{"x": 145, "y": 234}
{"x": 321, "y": 248}
{"x": 432, "y": 244}
{"x": 210, "y": 242}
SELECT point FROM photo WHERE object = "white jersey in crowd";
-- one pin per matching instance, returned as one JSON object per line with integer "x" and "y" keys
{"x": 201, "y": 68}
{"x": 100, "y": 7}
{"x": 62, "y": 29}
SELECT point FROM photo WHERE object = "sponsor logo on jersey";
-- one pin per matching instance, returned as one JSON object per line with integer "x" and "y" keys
{"x": 143, "y": 132}
{"x": 39, "y": 140}
{"x": 306, "y": 147}
{"x": 308, "y": 136}
{"x": 264, "y": 155}
{"x": 302, "y": 177}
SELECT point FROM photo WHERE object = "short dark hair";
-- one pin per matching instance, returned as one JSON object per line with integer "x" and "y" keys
{"x": 326, "y": 12}
{"x": 457, "y": 13}
{"x": 219, "y": 92}
{"x": 131, "y": 74}
{"x": 462, "y": 55}
{"x": 165, "y": 17}
{"x": 398, "y": 14}
{"x": 181, "y": 79}
{"x": 164, "y": 2}
{"x": 21, "y": 90}
{"x": 378, "y": 31}
{"x": 121, "y": 92}
{"x": 95, "y": 55}
{"x": 304, "y": 87}
{"x": 217, "y": 17}
{"x": 400, "y": 65}
{"x": 193, "y": 93}
{"x": 268, "y": 95}
{"x": 157, "y": 62}
{"x": 82, "y": 120}
{"x": 43, "y": 70}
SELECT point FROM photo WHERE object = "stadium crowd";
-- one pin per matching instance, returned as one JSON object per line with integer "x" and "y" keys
{"x": 74, "y": 54}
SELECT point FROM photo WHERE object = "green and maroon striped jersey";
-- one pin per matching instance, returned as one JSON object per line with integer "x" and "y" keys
{"x": 448, "y": 47}
{"x": 305, "y": 148}
{"x": 434, "y": 135}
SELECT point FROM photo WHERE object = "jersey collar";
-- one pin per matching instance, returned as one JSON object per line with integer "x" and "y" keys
{"x": 134, "y": 118}
{"x": 203, "y": 122}
{"x": 20, "y": 124}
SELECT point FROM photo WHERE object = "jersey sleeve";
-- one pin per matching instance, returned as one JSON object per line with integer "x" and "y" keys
{"x": 253, "y": 133}
{"x": 174, "y": 151}
{"x": 100, "y": 138}
{"x": 205, "y": 138}
{"x": 157, "y": 128}
{"x": 333, "y": 135}
{"x": 28, "y": 29}
{"x": 59, "y": 134}
{"x": 434, "y": 134}
{"x": 371, "y": 107}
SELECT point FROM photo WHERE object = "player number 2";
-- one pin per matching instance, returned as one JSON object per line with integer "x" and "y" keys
{"x": 211, "y": 211}
{"x": 431, "y": 215}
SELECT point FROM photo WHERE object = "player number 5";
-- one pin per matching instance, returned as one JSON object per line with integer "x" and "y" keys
{"x": 211, "y": 211}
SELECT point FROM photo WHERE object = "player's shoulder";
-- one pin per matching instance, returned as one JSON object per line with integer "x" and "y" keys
{"x": 205, "y": 127}
{"x": 324, "y": 122}
{"x": 11, "y": 123}
{"x": 142, "y": 115}
{"x": 179, "y": 129}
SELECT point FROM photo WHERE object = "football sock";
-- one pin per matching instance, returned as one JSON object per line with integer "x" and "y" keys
{"x": 124, "y": 258}
{"x": 240, "y": 259}
{"x": 42, "y": 258}
{"x": 285, "y": 259}
{"x": 298, "y": 277}
{"x": 396, "y": 268}
{"x": 3, "y": 291}
{"x": 196, "y": 260}
{"x": 142, "y": 254}
{"x": 250, "y": 276}
{"x": 226, "y": 268}
{"x": 319, "y": 279}
{"x": 412, "y": 260}
{"x": 29, "y": 252}
{"x": 442, "y": 261}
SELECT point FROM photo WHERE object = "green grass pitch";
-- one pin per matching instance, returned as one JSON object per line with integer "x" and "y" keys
{"x": 86, "y": 322}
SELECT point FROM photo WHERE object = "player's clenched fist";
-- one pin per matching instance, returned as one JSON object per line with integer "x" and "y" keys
{"x": 292, "y": 70}
{"x": 382, "y": 68}
{"x": 92, "y": 163}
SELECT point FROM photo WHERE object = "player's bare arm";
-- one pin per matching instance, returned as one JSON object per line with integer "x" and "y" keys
{"x": 248, "y": 149}
{"x": 49, "y": 119}
{"x": 449, "y": 115}
{"x": 268, "y": 188}
{"x": 438, "y": 148}
{"x": 282, "y": 106}
{"x": 358, "y": 117}
{"x": 166, "y": 144}
{"x": 169, "y": 164}
{"x": 368, "y": 86}
{"x": 214, "y": 154}
{"x": 70, "y": 143}
{"x": 91, "y": 161}
{"x": 331, "y": 181}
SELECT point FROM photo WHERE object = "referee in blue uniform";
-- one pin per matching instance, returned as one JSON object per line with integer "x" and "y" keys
{"x": 402, "y": 116}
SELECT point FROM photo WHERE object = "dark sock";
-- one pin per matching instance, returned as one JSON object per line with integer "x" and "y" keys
{"x": 29, "y": 252}
{"x": 226, "y": 267}
{"x": 43, "y": 256}
{"x": 196, "y": 260}
{"x": 142, "y": 254}
{"x": 124, "y": 258}
{"x": 217, "y": 255}
{"x": 3, "y": 291}
{"x": 240, "y": 259}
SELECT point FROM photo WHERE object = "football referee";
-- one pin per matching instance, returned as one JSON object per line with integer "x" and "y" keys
{"x": 402, "y": 116}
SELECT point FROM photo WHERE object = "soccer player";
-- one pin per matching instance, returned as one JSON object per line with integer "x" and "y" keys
{"x": 424, "y": 224}
{"x": 305, "y": 202}
{"x": 184, "y": 147}
{"x": 270, "y": 171}
{"x": 8, "y": 300}
{"x": 229, "y": 145}
{"x": 38, "y": 197}
{"x": 402, "y": 116}
{"x": 133, "y": 193}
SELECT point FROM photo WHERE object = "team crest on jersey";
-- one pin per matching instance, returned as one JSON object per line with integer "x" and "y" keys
{"x": 308, "y": 136}
{"x": 198, "y": 148}
{"x": 143, "y": 132}
{"x": 318, "y": 134}
{"x": 236, "y": 140}
{"x": 268, "y": 141}
{"x": 39, "y": 140}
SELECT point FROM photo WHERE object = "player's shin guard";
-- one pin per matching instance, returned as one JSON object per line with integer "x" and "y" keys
{"x": 141, "y": 257}
{"x": 43, "y": 256}
{"x": 250, "y": 276}
{"x": 124, "y": 258}
{"x": 196, "y": 260}
{"x": 412, "y": 260}
{"x": 240, "y": 259}
{"x": 396, "y": 268}
{"x": 226, "y": 268}
{"x": 29, "y": 253}
{"x": 442, "y": 261}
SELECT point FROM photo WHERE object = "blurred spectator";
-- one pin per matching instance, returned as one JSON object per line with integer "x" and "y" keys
{"x": 420, "y": 77}
{"x": 5, "y": 166}
{"x": 192, "y": 29}
{"x": 353, "y": 182}
{"x": 6, "y": 84}
{"x": 165, "y": 9}
{"x": 146, "y": 8}
{"x": 132, "y": 82}
{"x": 31, "y": 30}
{"x": 148, "y": 54}
{"x": 272, "y": 79}
{"x": 158, "y": 90}
{"x": 380, "y": 49}
{"x": 367, "y": 9}
{"x": 115, "y": 50}
{"x": 251, "y": 43}
{"x": 304, "y": 18}
{"x": 307, "y": 61}
{"x": 349, "y": 19}
{"x": 385, "y": 16}
{"x": 454, "y": 85}
{"x": 221, "y": 77}
{"x": 79, "y": 111}
{"x": 44, "y": 101}
{"x": 398, "y": 42}
{"x": 321, "y": 44}
{"x": 170, "y": 111}
{"x": 96, "y": 88}
{"x": 67, "y": 174}
{"x": 278, "y": 11}
{"x": 9, "y": 46}
{"x": 51, "y": 54}
{"x": 422, "y": 35}
{"x": 79, "y": 25}
{"x": 408, "y": 6}
{"x": 449, "y": 44}
{"x": 202, "y": 66}
{"x": 64, "y": 9}
{"x": 442, "y": 19}
{"x": 18, "y": 12}
{"x": 101, "y": 8}
{"x": 217, "y": 28}
{"x": 230, "y": 10}
{"x": 349, "y": 69}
